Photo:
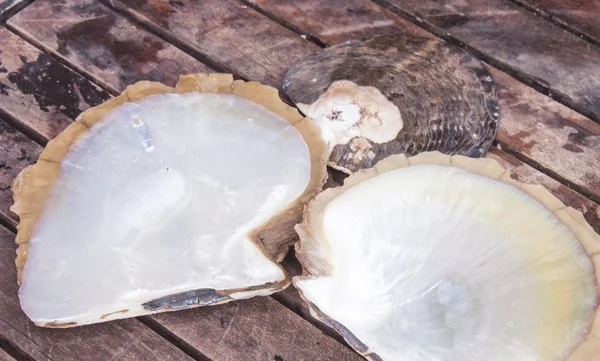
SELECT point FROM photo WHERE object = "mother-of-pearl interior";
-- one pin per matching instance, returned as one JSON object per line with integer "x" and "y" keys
{"x": 158, "y": 198}
{"x": 434, "y": 263}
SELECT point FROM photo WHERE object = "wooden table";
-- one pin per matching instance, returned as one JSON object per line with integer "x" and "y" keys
{"x": 58, "y": 58}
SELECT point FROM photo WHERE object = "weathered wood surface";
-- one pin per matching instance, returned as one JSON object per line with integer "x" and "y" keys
{"x": 560, "y": 140}
{"x": 38, "y": 90}
{"x": 519, "y": 42}
{"x": 101, "y": 43}
{"x": 580, "y": 16}
{"x": 335, "y": 21}
{"x": 5, "y": 356}
{"x": 255, "y": 329}
{"x": 16, "y": 152}
{"x": 119, "y": 340}
{"x": 231, "y": 34}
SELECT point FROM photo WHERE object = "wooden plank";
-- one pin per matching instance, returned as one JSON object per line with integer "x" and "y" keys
{"x": 338, "y": 20}
{"x": 40, "y": 91}
{"x": 123, "y": 340}
{"x": 560, "y": 140}
{"x": 255, "y": 329}
{"x": 524, "y": 173}
{"x": 516, "y": 41}
{"x": 231, "y": 34}
{"x": 577, "y": 15}
{"x": 16, "y": 152}
{"x": 101, "y": 43}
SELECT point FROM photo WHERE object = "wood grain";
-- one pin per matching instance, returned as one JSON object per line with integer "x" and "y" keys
{"x": 38, "y": 90}
{"x": 101, "y": 43}
{"x": 254, "y": 329}
{"x": 581, "y": 16}
{"x": 335, "y": 21}
{"x": 560, "y": 140}
{"x": 120, "y": 340}
{"x": 231, "y": 34}
{"x": 16, "y": 152}
{"x": 519, "y": 42}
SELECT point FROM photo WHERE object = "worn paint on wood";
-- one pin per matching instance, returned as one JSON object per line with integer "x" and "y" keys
{"x": 126, "y": 340}
{"x": 516, "y": 40}
{"x": 16, "y": 152}
{"x": 231, "y": 34}
{"x": 550, "y": 134}
{"x": 38, "y": 90}
{"x": 105, "y": 45}
{"x": 582, "y": 16}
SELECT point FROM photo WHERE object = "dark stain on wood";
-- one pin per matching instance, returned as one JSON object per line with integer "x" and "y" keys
{"x": 106, "y": 52}
{"x": 41, "y": 92}
{"x": 110, "y": 48}
{"x": 53, "y": 85}
{"x": 16, "y": 152}
{"x": 511, "y": 37}
{"x": 572, "y": 148}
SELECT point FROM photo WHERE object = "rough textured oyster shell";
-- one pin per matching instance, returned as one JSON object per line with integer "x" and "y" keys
{"x": 395, "y": 95}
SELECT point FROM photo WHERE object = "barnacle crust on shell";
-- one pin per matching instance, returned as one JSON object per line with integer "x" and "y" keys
{"x": 438, "y": 257}
{"x": 270, "y": 238}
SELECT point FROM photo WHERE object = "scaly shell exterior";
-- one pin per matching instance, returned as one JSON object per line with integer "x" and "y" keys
{"x": 445, "y": 99}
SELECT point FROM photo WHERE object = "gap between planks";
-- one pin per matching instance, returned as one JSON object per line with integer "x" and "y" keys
{"x": 498, "y": 64}
{"x": 13, "y": 351}
{"x": 506, "y": 148}
{"x": 14, "y": 9}
{"x": 556, "y": 21}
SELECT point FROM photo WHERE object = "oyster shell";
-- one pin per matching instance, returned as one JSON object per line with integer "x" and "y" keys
{"x": 395, "y": 95}
{"x": 162, "y": 199}
{"x": 438, "y": 257}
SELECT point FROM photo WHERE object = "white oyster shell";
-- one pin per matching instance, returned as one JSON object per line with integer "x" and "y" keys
{"x": 158, "y": 198}
{"x": 436, "y": 263}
